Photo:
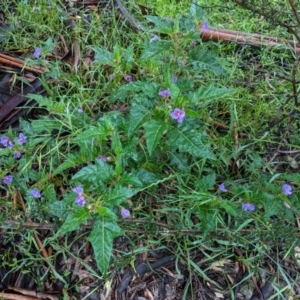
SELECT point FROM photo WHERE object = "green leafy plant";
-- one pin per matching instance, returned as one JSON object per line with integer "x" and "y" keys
{"x": 90, "y": 158}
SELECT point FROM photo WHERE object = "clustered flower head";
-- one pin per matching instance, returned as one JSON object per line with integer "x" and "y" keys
{"x": 287, "y": 189}
{"x": 164, "y": 93}
{"x": 80, "y": 200}
{"x": 6, "y": 142}
{"x": 35, "y": 193}
{"x": 248, "y": 207}
{"x": 205, "y": 26}
{"x": 37, "y": 52}
{"x": 7, "y": 179}
{"x": 125, "y": 213}
{"x": 178, "y": 115}
{"x": 222, "y": 188}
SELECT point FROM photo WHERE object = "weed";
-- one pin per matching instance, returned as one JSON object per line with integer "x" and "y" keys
{"x": 156, "y": 129}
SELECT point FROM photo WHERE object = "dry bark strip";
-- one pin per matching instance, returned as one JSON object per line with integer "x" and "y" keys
{"x": 16, "y": 297}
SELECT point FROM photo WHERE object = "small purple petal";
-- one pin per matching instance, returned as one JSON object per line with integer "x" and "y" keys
{"x": 80, "y": 200}
{"x": 125, "y": 213}
{"x": 287, "y": 189}
{"x": 78, "y": 190}
{"x": 128, "y": 78}
{"x": 4, "y": 140}
{"x": 248, "y": 207}
{"x": 35, "y": 193}
{"x": 7, "y": 179}
{"x": 111, "y": 76}
{"x": 17, "y": 154}
{"x": 178, "y": 115}
{"x": 37, "y": 52}
{"x": 80, "y": 110}
{"x": 174, "y": 78}
{"x": 164, "y": 93}
{"x": 10, "y": 144}
{"x": 222, "y": 188}
{"x": 103, "y": 158}
{"x": 154, "y": 38}
{"x": 22, "y": 139}
{"x": 205, "y": 26}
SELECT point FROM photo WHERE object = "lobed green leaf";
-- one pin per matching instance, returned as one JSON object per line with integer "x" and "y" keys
{"x": 104, "y": 231}
{"x": 154, "y": 132}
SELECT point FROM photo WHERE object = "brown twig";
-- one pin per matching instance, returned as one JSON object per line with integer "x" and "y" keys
{"x": 269, "y": 15}
{"x": 294, "y": 80}
{"x": 15, "y": 224}
{"x": 75, "y": 46}
{"x": 132, "y": 21}
{"x": 12, "y": 61}
{"x": 36, "y": 237}
{"x": 294, "y": 10}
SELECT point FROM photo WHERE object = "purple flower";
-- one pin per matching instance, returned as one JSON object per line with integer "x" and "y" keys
{"x": 17, "y": 154}
{"x": 128, "y": 78}
{"x": 37, "y": 52}
{"x": 248, "y": 206}
{"x": 80, "y": 200}
{"x": 164, "y": 93}
{"x": 178, "y": 114}
{"x": 22, "y": 139}
{"x": 154, "y": 38}
{"x": 103, "y": 158}
{"x": 287, "y": 189}
{"x": 80, "y": 110}
{"x": 222, "y": 188}
{"x": 35, "y": 193}
{"x": 125, "y": 213}
{"x": 7, "y": 179}
{"x": 174, "y": 78}
{"x": 10, "y": 144}
{"x": 78, "y": 190}
{"x": 4, "y": 140}
{"x": 205, "y": 26}
{"x": 111, "y": 76}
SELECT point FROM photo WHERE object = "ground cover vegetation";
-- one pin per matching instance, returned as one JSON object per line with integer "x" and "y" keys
{"x": 149, "y": 144}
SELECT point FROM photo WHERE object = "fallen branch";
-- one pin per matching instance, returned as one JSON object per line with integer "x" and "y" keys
{"x": 16, "y": 62}
{"x": 252, "y": 39}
